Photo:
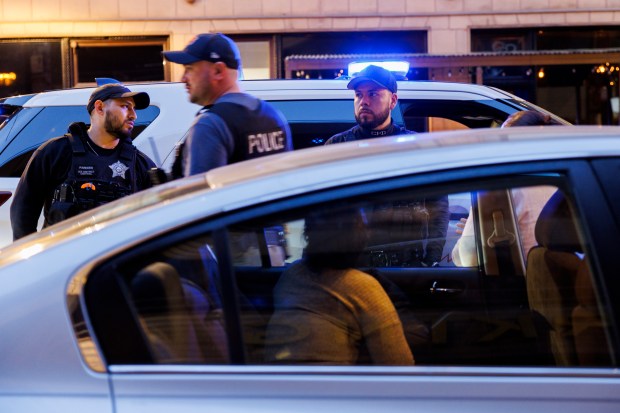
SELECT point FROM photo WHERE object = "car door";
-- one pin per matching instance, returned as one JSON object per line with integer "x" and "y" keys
{"x": 186, "y": 321}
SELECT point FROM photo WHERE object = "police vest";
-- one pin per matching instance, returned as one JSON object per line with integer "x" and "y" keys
{"x": 93, "y": 180}
{"x": 357, "y": 133}
{"x": 257, "y": 132}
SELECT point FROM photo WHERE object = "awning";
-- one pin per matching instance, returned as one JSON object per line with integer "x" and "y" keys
{"x": 477, "y": 59}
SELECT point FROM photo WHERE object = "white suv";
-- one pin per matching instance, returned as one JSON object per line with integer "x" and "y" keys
{"x": 315, "y": 109}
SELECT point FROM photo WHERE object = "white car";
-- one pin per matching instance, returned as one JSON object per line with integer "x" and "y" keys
{"x": 172, "y": 299}
{"x": 315, "y": 109}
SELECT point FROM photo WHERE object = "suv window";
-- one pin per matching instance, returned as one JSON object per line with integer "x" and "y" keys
{"x": 236, "y": 289}
{"x": 313, "y": 122}
{"x": 28, "y": 128}
{"x": 436, "y": 115}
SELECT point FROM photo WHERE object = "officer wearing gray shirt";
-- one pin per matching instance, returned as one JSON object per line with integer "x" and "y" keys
{"x": 232, "y": 126}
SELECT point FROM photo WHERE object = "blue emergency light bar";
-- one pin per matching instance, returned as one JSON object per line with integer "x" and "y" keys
{"x": 395, "y": 66}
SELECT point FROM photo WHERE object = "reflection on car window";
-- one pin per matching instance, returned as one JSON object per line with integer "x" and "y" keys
{"x": 356, "y": 282}
{"x": 521, "y": 207}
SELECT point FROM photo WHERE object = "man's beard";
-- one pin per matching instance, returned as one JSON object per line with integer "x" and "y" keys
{"x": 378, "y": 120}
{"x": 114, "y": 127}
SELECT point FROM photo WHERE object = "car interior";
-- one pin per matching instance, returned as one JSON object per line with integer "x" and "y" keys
{"x": 205, "y": 294}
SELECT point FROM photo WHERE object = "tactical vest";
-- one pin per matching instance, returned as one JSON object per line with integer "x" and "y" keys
{"x": 93, "y": 180}
{"x": 257, "y": 132}
{"x": 357, "y": 133}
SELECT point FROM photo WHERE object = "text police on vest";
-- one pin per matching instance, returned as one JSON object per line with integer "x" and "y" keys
{"x": 266, "y": 142}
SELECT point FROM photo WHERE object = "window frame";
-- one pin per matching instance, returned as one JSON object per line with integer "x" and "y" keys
{"x": 579, "y": 177}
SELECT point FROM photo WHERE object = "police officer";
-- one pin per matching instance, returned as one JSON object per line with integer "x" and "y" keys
{"x": 86, "y": 167}
{"x": 404, "y": 221}
{"x": 232, "y": 126}
{"x": 375, "y": 97}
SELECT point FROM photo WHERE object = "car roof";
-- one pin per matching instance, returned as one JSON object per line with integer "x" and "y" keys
{"x": 274, "y": 89}
{"x": 341, "y": 84}
{"x": 434, "y": 151}
{"x": 302, "y": 171}
{"x": 158, "y": 92}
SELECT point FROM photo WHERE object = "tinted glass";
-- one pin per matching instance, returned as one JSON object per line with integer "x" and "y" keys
{"x": 124, "y": 63}
{"x": 313, "y": 122}
{"x": 366, "y": 280}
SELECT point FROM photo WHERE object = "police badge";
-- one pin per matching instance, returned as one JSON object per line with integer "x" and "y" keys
{"x": 118, "y": 169}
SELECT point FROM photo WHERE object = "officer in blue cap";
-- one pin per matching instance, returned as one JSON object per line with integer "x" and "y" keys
{"x": 232, "y": 126}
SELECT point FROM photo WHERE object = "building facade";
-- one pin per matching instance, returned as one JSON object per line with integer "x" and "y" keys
{"x": 562, "y": 54}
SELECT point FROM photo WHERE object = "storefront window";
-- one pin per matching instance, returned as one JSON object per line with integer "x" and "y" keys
{"x": 501, "y": 40}
{"x": 136, "y": 60}
{"x": 29, "y": 66}
{"x": 358, "y": 44}
{"x": 577, "y": 38}
{"x": 560, "y": 81}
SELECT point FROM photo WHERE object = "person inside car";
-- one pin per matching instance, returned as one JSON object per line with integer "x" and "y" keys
{"x": 87, "y": 167}
{"x": 328, "y": 312}
{"x": 421, "y": 223}
{"x": 527, "y": 202}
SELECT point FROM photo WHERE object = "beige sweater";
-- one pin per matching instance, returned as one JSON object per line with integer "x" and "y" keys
{"x": 327, "y": 318}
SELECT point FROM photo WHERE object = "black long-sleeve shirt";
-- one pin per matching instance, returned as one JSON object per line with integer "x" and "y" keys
{"x": 49, "y": 167}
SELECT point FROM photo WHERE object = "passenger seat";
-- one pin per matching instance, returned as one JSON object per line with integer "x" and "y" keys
{"x": 551, "y": 274}
{"x": 559, "y": 286}
{"x": 588, "y": 325}
{"x": 167, "y": 319}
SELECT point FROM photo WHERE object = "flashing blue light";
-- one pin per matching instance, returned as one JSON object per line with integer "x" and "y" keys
{"x": 395, "y": 66}
{"x": 105, "y": 81}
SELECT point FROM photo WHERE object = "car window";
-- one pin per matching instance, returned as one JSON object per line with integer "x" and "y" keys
{"x": 355, "y": 280}
{"x": 426, "y": 115}
{"x": 313, "y": 122}
{"x": 30, "y": 127}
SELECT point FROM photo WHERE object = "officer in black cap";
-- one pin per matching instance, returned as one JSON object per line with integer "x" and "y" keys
{"x": 410, "y": 221}
{"x": 232, "y": 126}
{"x": 375, "y": 97}
{"x": 87, "y": 167}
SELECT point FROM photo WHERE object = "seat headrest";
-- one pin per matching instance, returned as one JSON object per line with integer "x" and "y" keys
{"x": 157, "y": 288}
{"x": 555, "y": 227}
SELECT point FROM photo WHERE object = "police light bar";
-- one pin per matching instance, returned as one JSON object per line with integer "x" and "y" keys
{"x": 395, "y": 66}
{"x": 105, "y": 80}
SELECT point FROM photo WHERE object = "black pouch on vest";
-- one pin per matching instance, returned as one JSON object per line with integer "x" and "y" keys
{"x": 60, "y": 211}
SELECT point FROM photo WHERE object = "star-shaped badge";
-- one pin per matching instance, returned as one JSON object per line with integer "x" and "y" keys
{"x": 118, "y": 169}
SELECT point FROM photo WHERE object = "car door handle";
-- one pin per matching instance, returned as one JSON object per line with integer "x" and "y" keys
{"x": 440, "y": 290}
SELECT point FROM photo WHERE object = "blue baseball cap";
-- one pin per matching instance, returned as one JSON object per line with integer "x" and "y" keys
{"x": 212, "y": 47}
{"x": 375, "y": 74}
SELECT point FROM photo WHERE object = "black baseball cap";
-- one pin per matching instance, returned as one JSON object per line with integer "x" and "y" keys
{"x": 212, "y": 47}
{"x": 376, "y": 74}
{"x": 116, "y": 90}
